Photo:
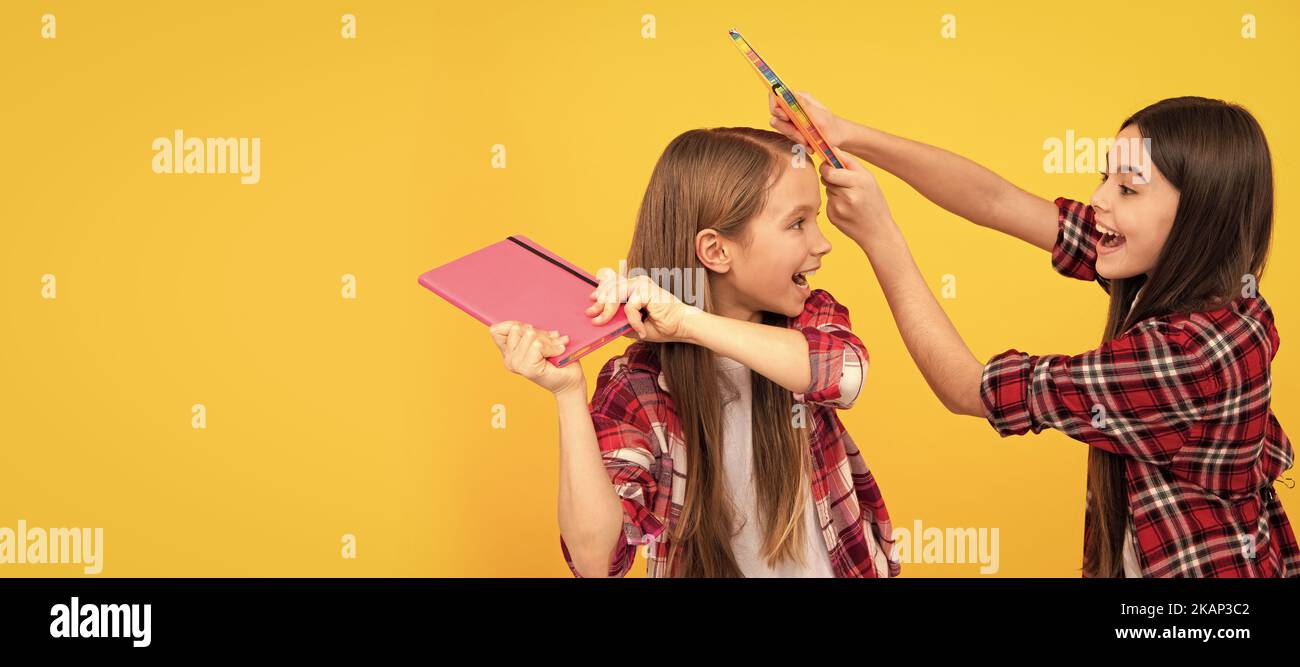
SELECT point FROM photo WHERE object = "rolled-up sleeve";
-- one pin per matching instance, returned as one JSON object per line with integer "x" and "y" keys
{"x": 630, "y": 451}
{"x": 1136, "y": 395}
{"x": 1075, "y": 253}
{"x": 837, "y": 358}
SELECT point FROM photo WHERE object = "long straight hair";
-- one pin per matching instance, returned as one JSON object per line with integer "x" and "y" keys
{"x": 1214, "y": 153}
{"x": 719, "y": 179}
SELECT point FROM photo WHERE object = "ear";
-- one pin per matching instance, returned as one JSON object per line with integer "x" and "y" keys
{"x": 711, "y": 249}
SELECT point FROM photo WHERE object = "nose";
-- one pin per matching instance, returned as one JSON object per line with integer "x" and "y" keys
{"x": 1099, "y": 200}
{"x": 820, "y": 244}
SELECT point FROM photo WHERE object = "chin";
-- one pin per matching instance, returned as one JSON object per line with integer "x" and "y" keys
{"x": 795, "y": 308}
{"x": 790, "y": 306}
{"x": 1115, "y": 273}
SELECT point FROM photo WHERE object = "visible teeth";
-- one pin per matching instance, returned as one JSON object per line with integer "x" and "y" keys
{"x": 810, "y": 274}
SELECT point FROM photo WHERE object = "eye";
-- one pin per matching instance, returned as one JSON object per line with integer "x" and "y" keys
{"x": 798, "y": 224}
{"x": 1126, "y": 190}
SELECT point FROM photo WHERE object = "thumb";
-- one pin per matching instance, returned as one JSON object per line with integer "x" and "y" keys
{"x": 847, "y": 160}
{"x": 836, "y": 177}
{"x": 806, "y": 97}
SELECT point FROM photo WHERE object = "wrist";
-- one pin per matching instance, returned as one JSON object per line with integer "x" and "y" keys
{"x": 575, "y": 392}
{"x": 856, "y": 138}
{"x": 695, "y": 322}
{"x": 881, "y": 233}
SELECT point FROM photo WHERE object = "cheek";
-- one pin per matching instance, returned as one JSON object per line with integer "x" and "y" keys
{"x": 764, "y": 266}
{"x": 1155, "y": 232}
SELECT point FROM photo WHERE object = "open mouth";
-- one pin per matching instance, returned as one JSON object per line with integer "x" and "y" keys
{"x": 1110, "y": 238}
{"x": 801, "y": 279}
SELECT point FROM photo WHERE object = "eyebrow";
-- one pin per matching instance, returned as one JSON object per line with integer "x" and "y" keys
{"x": 801, "y": 207}
{"x": 1123, "y": 168}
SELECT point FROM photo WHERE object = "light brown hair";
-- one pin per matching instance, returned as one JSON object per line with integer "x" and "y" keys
{"x": 719, "y": 179}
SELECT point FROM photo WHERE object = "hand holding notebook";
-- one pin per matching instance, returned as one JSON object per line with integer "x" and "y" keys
{"x": 518, "y": 280}
{"x": 654, "y": 313}
{"x": 525, "y": 349}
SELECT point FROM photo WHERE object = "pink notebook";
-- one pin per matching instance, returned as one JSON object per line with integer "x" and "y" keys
{"x": 516, "y": 279}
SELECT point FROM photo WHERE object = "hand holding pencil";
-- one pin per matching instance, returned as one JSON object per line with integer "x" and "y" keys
{"x": 830, "y": 125}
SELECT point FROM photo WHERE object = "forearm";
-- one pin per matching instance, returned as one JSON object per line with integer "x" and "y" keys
{"x": 957, "y": 184}
{"x": 777, "y": 353}
{"x": 590, "y": 514}
{"x": 943, "y": 358}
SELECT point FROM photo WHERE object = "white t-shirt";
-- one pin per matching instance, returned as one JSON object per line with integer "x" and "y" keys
{"x": 738, "y": 455}
{"x": 1131, "y": 567}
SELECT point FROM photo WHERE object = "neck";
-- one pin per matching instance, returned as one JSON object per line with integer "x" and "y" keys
{"x": 726, "y": 305}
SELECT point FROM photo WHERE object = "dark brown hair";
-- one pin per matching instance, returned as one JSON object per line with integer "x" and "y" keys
{"x": 1214, "y": 153}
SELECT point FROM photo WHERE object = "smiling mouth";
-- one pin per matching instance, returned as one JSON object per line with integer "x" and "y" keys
{"x": 801, "y": 279}
{"x": 1110, "y": 238}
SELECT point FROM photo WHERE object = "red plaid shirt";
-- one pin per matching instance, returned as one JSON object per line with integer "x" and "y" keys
{"x": 645, "y": 453}
{"x": 1185, "y": 399}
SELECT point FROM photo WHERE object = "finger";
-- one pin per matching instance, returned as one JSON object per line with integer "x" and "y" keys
{"x": 805, "y": 97}
{"x": 841, "y": 178}
{"x": 537, "y": 355}
{"x": 512, "y": 338}
{"x": 605, "y": 274}
{"x": 603, "y": 294}
{"x": 531, "y": 361}
{"x": 607, "y": 311}
{"x": 633, "y": 312}
{"x": 616, "y": 292}
{"x": 834, "y": 177}
{"x": 556, "y": 345}
{"x": 551, "y": 336}
{"x": 653, "y": 292}
{"x": 500, "y": 331}
{"x": 520, "y": 359}
{"x": 775, "y": 108}
{"x": 607, "y": 287}
{"x": 785, "y": 127}
{"x": 847, "y": 160}
{"x": 637, "y": 298}
{"x": 551, "y": 346}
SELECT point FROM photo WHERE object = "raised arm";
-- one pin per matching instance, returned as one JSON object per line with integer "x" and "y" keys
{"x": 819, "y": 359}
{"x": 855, "y": 205}
{"x": 945, "y": 178}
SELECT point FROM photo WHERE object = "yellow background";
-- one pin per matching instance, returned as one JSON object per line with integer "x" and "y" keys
{"x": 373, "y": 417}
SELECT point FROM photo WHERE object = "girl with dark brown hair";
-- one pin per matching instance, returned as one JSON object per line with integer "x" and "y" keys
{"x": 1175, "y": 402}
